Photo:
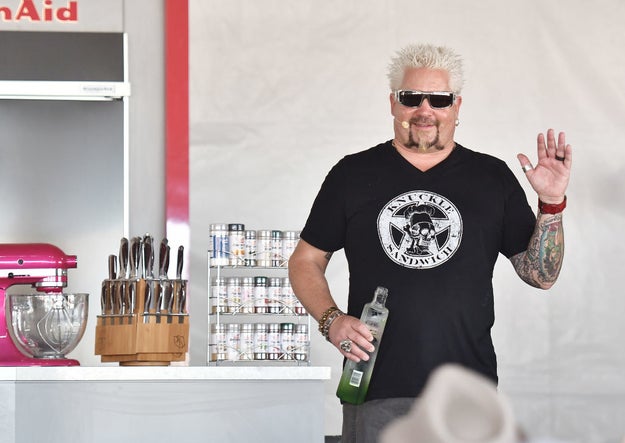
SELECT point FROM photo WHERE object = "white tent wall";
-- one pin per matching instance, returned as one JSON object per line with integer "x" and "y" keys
{"x": 281, "y": 90}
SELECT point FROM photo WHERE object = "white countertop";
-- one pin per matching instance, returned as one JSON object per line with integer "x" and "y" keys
{"x": 174, "y": 373}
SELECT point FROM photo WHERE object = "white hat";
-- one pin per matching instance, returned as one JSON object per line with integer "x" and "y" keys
{"x": 457, "y": 406}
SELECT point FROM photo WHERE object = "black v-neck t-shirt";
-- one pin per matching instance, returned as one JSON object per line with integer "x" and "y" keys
{"x": 432, "y": 238}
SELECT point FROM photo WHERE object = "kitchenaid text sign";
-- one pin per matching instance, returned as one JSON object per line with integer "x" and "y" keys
{"x": 45, "y": 11}
{"x": 55, "y": 15}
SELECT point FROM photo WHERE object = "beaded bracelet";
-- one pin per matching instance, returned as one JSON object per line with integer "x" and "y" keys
{"x": 326, "y": 326}
{"x": 324, "y": 316}
{"x": 327, "y": 318}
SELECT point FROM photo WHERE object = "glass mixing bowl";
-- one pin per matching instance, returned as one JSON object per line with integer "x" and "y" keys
{"x": 48, "y": 325}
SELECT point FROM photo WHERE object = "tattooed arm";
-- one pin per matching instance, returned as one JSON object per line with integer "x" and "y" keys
{"x": 540, "y": 264}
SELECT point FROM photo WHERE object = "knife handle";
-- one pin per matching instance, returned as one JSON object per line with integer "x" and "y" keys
{"x": 108, "y": 297}
{"x": 103, "y": 298}
{"x": 123, "y": 257}
{"x": 132, "y": 296}
{"x": 112, "y": 267}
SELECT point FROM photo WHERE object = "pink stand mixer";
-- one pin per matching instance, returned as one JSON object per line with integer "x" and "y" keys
{"x": 42, "y": 265}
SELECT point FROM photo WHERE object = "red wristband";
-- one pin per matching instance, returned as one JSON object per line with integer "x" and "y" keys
{"x": 547, "y": 208}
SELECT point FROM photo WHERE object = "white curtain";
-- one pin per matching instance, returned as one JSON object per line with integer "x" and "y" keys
{"x": 281, "y": 90}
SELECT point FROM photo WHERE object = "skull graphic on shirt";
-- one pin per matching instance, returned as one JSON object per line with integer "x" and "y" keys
{"x": 420, "y": 229}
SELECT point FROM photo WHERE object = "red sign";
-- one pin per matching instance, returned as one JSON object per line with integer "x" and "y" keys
{"x": 45, "y": 11}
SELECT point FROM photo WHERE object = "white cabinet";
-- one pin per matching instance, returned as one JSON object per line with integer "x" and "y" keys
{"x": 162, "y": 404}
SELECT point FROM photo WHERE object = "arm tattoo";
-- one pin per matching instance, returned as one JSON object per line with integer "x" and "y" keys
{"x": 540, "y": 265}
{"x": 328, "y": 255}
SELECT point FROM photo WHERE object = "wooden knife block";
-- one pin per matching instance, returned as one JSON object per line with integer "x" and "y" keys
{"x": 140, "y": 340}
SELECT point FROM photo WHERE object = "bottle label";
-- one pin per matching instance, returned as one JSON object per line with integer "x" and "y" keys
{"x": 356, "y": 378}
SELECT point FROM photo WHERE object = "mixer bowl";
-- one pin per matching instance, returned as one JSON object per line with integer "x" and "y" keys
{"x": 48, "y": 325}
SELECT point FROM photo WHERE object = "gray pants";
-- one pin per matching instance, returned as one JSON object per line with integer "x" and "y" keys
{"x": 362, "y": 423}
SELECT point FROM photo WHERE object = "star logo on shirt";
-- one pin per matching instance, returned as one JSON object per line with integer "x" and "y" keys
{"x": 420, "y": 229}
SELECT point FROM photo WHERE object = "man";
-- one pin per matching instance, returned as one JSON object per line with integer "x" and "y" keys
{"x": 426, "y": 218}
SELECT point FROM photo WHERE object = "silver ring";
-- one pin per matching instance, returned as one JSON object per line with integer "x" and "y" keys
{"x": 527, "y": 167}
{"x": 346, "y": 345}
{"x": 559, "y": 158}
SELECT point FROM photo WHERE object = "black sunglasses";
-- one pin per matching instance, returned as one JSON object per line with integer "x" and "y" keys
{"x": 413, "y": 99}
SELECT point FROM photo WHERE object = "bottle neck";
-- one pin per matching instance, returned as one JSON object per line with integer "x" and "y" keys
{"x": 380, "y": 295}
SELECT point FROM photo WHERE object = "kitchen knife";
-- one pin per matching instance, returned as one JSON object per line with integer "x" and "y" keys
{"x": 135, "y": 249}
{"x": 120, "y": 284}
{"x": 150, "y": 266}
{"x": 145, "y": 254}
{"x": 179, "y": 262}
{"x": 112, "y": 267}
{"x": 162, "y": 253}
{"x": 166, "y": 285}
{"x": 103, "y": 296}
{"x": 123, "y": 258}
{"x": 135, "y": 256}
{"x": 182, "y": 308}
{"x": 110, "y": 285}
{"x": 166, "y": 266}
{"x": 179, "y": 290}
{"x": 148, "y": 256}
{"x": 161, "y": 289}
{"x": 117, "y": 297}
{"x": 132, "y": 297}
{"x": 149, "y": 295}
{"x": 124, "y": 301}
{"x": 169, "y": 296}
{"x": 169, "y": 299}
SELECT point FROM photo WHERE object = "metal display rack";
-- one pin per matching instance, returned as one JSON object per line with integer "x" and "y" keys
{"x": 294, "y": 348}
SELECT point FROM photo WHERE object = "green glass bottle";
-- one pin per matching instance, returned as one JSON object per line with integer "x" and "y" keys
{"x": 354, "y": 382}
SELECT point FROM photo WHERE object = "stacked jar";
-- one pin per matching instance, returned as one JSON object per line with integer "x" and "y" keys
{"x": 259, "y": 341}
{"x": 254, "y": 295}
{"x": 219, "y": 246}
{"x": 233, "y": 245}
{"x": 236, "y": 242}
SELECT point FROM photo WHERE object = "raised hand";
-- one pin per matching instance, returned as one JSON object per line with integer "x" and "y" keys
{"x": 550, "y": 177}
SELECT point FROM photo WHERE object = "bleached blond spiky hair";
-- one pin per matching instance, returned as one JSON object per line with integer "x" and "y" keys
{"x": 426, "y": 56}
